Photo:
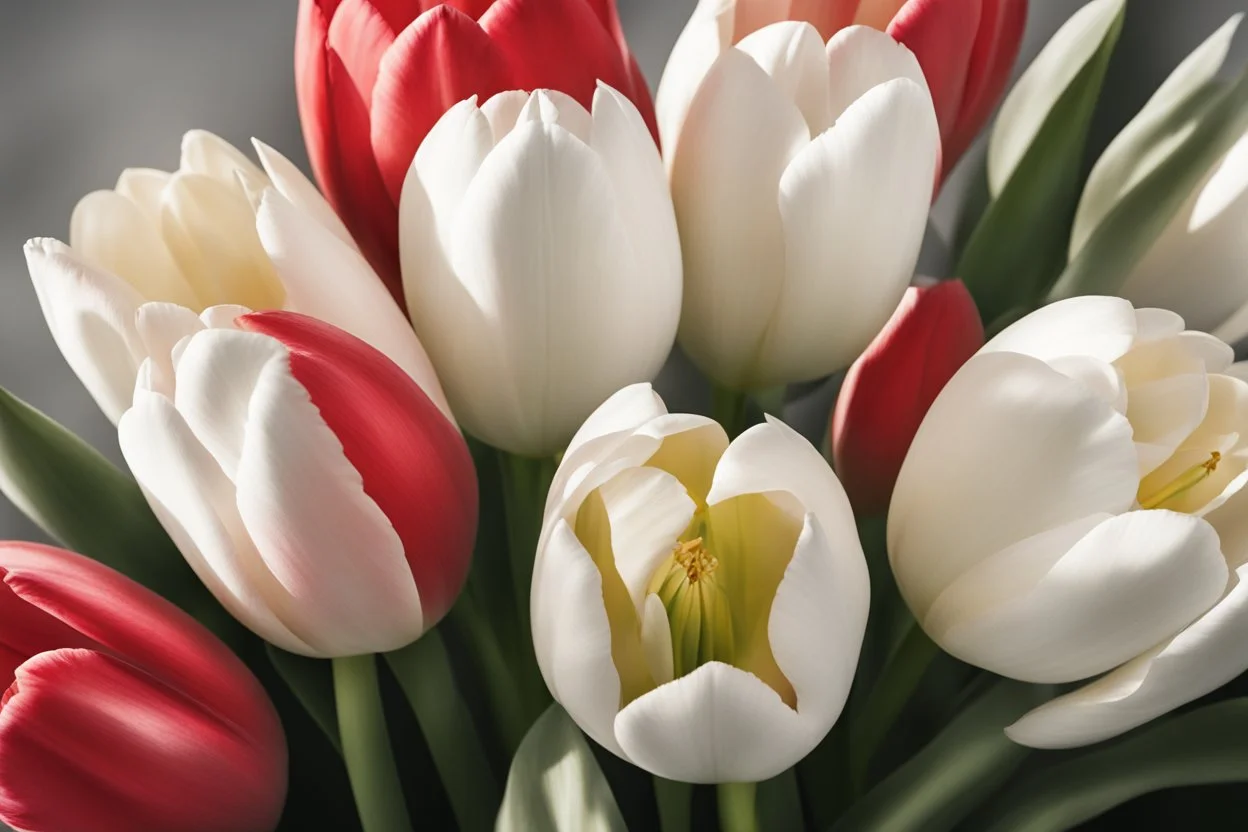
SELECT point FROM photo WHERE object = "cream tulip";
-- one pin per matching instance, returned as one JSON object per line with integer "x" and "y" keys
{"x": 219, "y": 231}
{"x": 802, "y": 178}
{"x": 1073, "y": 505}
{"x": 698, "y": 606}
{"x": 541, "y": 262}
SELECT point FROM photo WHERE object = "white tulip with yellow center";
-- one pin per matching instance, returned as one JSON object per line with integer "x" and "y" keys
{"x": 1073, "y": 506}
{"x": 219, "y": 231}
{"x": 802, "y": 179}
{"x": 698, "y": 606}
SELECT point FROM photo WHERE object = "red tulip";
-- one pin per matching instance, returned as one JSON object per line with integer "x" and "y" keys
{"x": 966, "y": 49}
{"x": 889, "y": 389}
{"x": 373, "y": 76}
{"x": 122, "y": 713}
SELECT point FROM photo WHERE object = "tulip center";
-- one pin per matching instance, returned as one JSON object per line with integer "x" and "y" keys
{"x": 698, "y": 610}
{"x": 1181, "y": 484}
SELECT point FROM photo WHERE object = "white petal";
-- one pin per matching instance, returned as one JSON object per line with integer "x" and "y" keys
{"x": 328, "y": 279}
{"x": 656, "y": 640}
{"x": 503, "y": 110}
{"x": 143, "y": 187}
{"x": 1044, "y": 81}
{"x": 706, "y": 36}
{"x": 572, "y": 636}
{"x": 1104, "y": 380}
{"x": 1040, "y": 612}
{"x": 112, "y": 232}
{"x": 292, "y": 184}
{"x": 1155, "y": 324}
{"x": 855, "y": 206}
{"x": 447, "y": 162}
{"x": 691, "y": 450}
{"x": 626, "y": 410}
{"x": 161, "y": 326}
{"x": 195, "y": 502}
{"x": 740, "y": 135}
{"x": 555, "y": 107}
{"x": 792, "y": 53}
{"x": 861, "y": 57}
{"x": 1009, "y": 449}
{"x": 1103, "y": 328}
{"x": 717, "y": 724}
{"x": 1168, "y": 392}
{"x": 91, "y": 315}
{"x": 210, "y": 155}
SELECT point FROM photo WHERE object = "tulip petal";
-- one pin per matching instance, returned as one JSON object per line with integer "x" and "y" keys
{"x": 143, "y": 187}
{"x": 792, "y": 53}
{"x": 209, "y": 154}
{"x": 360, "y": 36}
{"x": 854, "y": 206}
{"x": 91, "y": 315}
{"x": 705, "y": 37}
{"x": 1168, "y": 384}
{"x": 739, "y": 137}
{"x": 313, "y": 94}
{"x": 717, "y": 724}
{"x": 1041, "y": 613}
{"x": 572, "y": 636}
{"x": 861, "y": 57}
{"x": 161, "y": 326}
{"x": 626, "y": 410}
{"x": 292, "y": 184}
{"x": 1068, "y": 454}
{"x": 442, "y": 58}
{"x": 1103, "y": 328}
{"x": 691, "y": 450}
{"x": 78, "y": 725}
{"x": 328, "y": 279}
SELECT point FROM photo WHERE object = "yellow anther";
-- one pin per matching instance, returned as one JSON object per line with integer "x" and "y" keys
{"x": 1183, "y": 483}
{"x": 694, "y": 558}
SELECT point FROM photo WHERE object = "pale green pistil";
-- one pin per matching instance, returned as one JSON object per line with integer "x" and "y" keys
{"x": 697, "y": 608}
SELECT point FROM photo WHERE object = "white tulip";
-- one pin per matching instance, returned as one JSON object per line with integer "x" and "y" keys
{"x": 219, "y": 231}
{"x": 698, "y": 606}
{"x": 802, "y": 178}
{"x": 541, "y": 262}
{"x": 1073, "y": 505}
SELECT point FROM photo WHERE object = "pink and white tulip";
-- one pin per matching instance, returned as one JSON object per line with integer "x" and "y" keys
{"x": 309, "y": 481}
{"x": 122, "y": 712}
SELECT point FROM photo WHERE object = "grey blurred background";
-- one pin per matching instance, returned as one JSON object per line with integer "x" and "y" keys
{"x": 88, "y": 87}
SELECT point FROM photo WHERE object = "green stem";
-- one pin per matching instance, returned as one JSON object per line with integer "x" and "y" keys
{"x": 729, "y": 409}
{"x": 366, "y": 746}
{"x": 675, "y": 801}
{"x": 423, "y": 669}
{"x": 499, "y": 680}
{"x": 737, "y": 807}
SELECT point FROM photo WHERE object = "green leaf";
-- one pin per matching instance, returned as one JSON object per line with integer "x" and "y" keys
{"x": 312, "y": 683}
{"x": 1207, "y": 128}
{"x": 555, "y": 784}
{"x": 966, "y": 762}
{"x": 1035, "y": 164}
{"x": 1209, "y": 745}
{"x": 90, "y": 506}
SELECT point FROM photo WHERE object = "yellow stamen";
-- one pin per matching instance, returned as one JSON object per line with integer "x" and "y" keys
{"x": 694, "y": 558}
{"x": 1183, "y": 483}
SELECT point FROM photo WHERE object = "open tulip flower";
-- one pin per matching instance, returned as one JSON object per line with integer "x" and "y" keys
{"x": 802, "y": 180}
{"x": 121, "y": 712}
{"x": 1072, "y": 506}
{"x": 218, "y": 231}
{"x": 306, "y": 478}
{"x": 698, "y": 606}
{"x": 541, "y": 261}
{"x": 374, "y": 76}
{"x": 966, "y": 48}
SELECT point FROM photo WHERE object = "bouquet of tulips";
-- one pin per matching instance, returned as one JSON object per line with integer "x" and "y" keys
{"x": 409, "y": 539}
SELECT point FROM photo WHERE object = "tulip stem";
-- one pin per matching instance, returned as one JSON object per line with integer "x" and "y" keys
{"x": 675, "y": 800}
{"x": 366, "y": 746}
{"x": 423, "y": 669}
{"x": 729, "y": 409}
{"x": 737, "y": 807}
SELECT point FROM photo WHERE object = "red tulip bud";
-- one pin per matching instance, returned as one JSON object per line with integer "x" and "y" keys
{"x": 889, "y": 389}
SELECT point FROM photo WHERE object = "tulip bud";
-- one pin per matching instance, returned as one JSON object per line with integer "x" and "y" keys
{"x": 311, "y": 484}
{"x": 218, "y": 231}
{"x": 1072, "y": 508}
{"x": 802, "y": 180}
{"x": 541, "y": 261}
{"x": 888, "y": 390}
{"x": 965, "y": 47}
{"x": 121, "y": 712}
{"x": 374, "y": 77}
{"x": 698, "y": 607}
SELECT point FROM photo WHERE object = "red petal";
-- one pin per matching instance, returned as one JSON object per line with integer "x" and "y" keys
{"x": 637, "y": 89}
{"x": 414, "y": 463}
{"x": 996, "y": 48}
{"x": 26, "y": 630}
{"x": 941, "y": 34}
{"x": 312, "y": 93}
{"x": 438, "y": 61}
{"x": 891, "y": 386}
{"x": 360, "y": 36}
{"x": 91, "y": 743}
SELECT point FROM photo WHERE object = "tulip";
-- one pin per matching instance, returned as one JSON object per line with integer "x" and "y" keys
{"x": 541, "y": 261}
{"x": 374, "y": 77}
{"x": 121, "y": 712}
{"x": 698, "y": 606}
{"x": 889, "y": 389}
{"x": 218, "y": 231}
{"x": 308, "y": 481}
{"x": 1073, "y": 505}
{"x": 966, "y": 48}
{"x": 802, "y": 181}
